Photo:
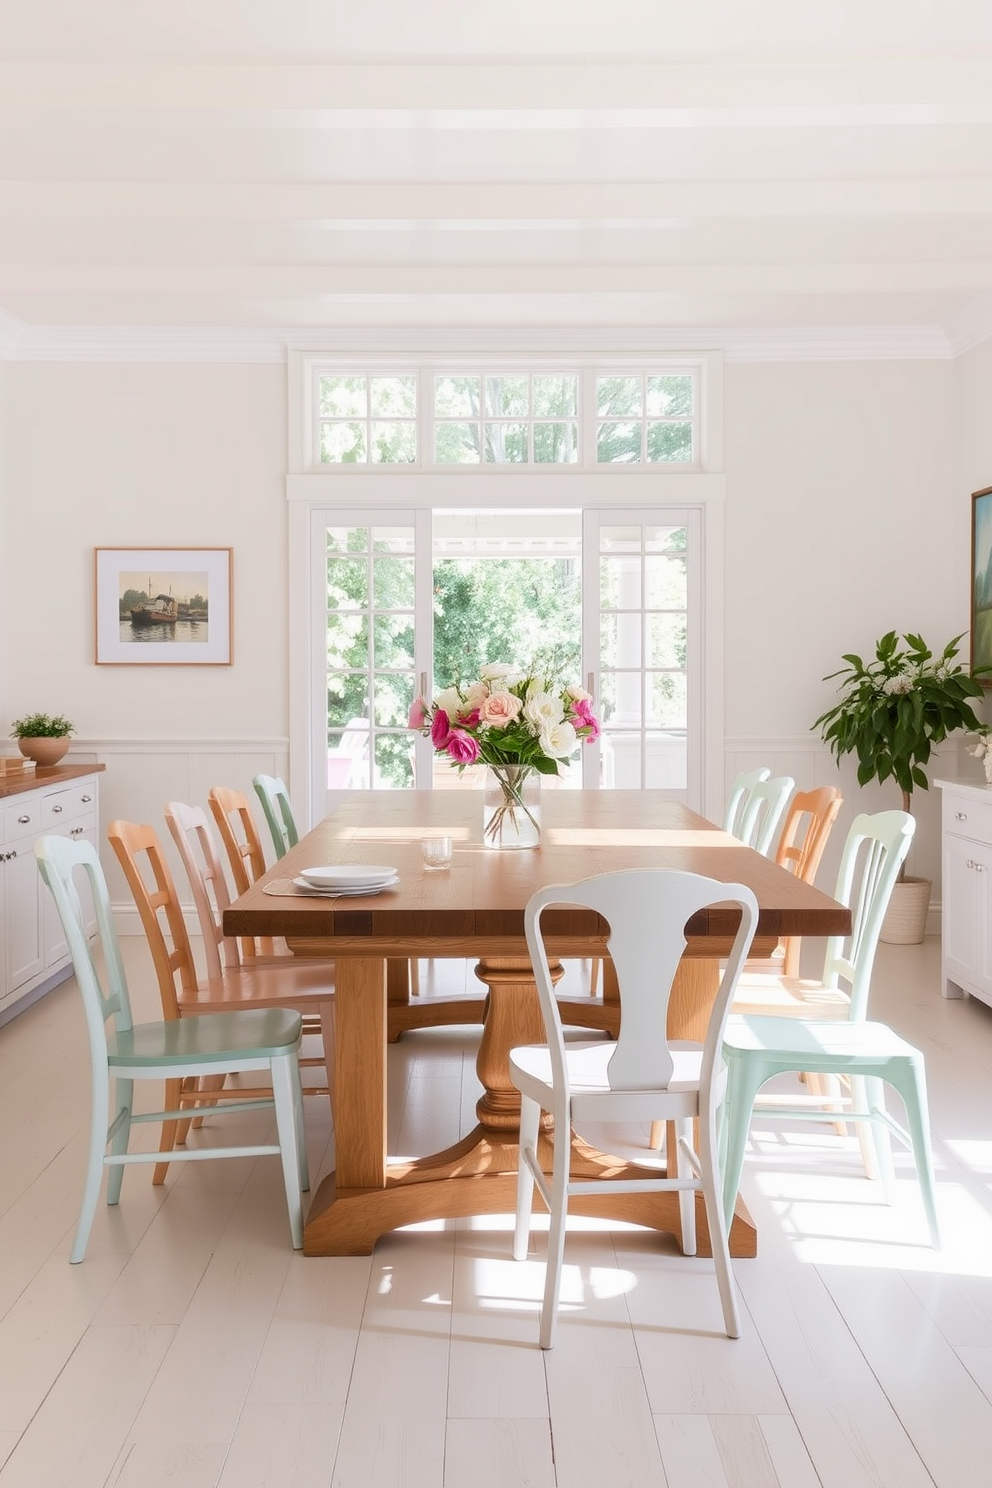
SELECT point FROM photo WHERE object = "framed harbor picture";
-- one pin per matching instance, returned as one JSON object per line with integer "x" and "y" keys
{"x": 981, "y": 583}
{"x": 164, "y": 606}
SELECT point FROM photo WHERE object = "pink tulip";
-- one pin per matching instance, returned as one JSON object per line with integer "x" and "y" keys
{"x": 418, "y": 714}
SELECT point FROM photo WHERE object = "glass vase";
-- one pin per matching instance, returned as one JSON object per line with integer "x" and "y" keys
{"x": 511, "y": 807}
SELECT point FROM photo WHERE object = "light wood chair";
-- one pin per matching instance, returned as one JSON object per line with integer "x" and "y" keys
{"x": 231, "y": 810}
{"x": 808, "y": 823}
{"x": 304, "y": 986}
{"x": 182, "y": 1053}
{"x": 639, "y": 1078}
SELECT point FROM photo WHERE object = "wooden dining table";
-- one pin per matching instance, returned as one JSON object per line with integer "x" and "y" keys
{"x": 475, "y": 909}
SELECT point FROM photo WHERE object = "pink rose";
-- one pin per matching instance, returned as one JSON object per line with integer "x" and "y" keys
{"x": 470, "y": 720}
{"x": 586, "y": 719}
{"x": 418, "y": 714}
{"x": 499, "y": 709}
{"x": 462, "y": 748}
{"x": 440, "y": 729}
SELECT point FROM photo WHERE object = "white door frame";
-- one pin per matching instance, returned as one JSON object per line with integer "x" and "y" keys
{"x": 373, "y": 489}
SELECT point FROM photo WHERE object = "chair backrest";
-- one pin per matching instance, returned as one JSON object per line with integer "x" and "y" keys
{"x": 764, "y": 810}
{"x": 278, "y": 810}
{"x": 231, "y": 811}
{"x": 740, "y": 795}
{"x": 808, "y": 823}
{"x": 140, "y": 854}
{"x": 104, "y": 993}
{"x": 874, "y": 852}
{"x": 647, "y": 911}
{"x": 189, "y": 827}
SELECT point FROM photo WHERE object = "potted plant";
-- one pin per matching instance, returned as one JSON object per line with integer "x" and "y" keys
{"x": 42, "y": 737}
{"x": 892, "y": 712}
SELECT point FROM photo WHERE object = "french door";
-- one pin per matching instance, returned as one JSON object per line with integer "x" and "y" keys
{"x": 371, "y": 633}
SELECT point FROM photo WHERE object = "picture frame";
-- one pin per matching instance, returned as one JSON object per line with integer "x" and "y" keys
{"x": 164, "y": 606}
{"x": 981, "y": 583}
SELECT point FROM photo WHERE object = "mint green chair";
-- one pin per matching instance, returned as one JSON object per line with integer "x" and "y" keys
{"x": 210, "y": 1045}
{"x": 867, "y": 1055}
{"x": 278, "y": 811}
{"x": 740, "y": 796}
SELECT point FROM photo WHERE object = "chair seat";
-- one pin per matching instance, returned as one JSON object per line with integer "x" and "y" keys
{"x": 250, "y": 985}
{"x": 788, "y": 997}
{"x": 816, "y": 1045}
{"x": 261, "y": 1033}
{"x": 530, "y": 1071}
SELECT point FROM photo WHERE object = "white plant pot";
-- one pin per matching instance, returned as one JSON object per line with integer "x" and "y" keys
{"x": 905, "y": 921}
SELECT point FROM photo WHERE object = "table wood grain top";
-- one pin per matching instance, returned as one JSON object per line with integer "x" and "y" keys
{"x": 482, "y": 896}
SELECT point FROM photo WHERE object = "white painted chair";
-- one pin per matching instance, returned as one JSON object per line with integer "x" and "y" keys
{"x": 641, "y": 1077}
{"x": 179, "y": 1051}
{"x": 740, "y": 795}
{"x": 763, "y": 812}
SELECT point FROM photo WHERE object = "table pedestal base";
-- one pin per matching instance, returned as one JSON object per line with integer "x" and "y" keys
{"x": 479, "y": 1176}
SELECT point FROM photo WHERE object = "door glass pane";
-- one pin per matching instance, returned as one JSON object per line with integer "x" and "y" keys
{"x": 394, "y": 761}
{"x": 667, "y": 584}
{"x": 664, "y": 644}
{"x": 667, "y": 699}
{"x": 392, "y": 583}
{"x": 620, "y": 640}
{"x": 393, "y": 642}
{"x": 665, "y": 761}
{"x": 620, "y": 582}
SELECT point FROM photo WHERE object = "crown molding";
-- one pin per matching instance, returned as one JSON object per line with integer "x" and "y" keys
{"x": 219, "y": 344}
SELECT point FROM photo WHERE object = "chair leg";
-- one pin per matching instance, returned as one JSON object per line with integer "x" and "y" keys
{"x": 289, "y": 1147}
{"x": 687, "y": 1196}
{"x": 909, "y": 1079}
{"x": 301, "y": 1131}
{"x": 556, "y": 1232}
{"x": 876, "y": 1146}
{"x": 530, "y": 1116}
{"x": 708, "y": 1146}
{"x": 94, "y": 1166}
{"x": 744, "y": 1080}
{"x": 173, "y": 1097}
{"x": 124, "y": 1101}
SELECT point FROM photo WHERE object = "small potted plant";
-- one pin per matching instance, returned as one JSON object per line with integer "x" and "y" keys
{"x": 892, "y": 712}
{"x": 42, "y": 737}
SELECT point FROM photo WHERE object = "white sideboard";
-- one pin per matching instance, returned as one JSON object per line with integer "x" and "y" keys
{"x": 966, "y": 914}
{"x": 62, "y": 801}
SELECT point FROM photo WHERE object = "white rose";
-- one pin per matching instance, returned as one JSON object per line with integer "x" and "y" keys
{"x": 558, "y": 740}
{"x": 543, "y": 710}
{"x": 495, "y": 671}
{"x": 451, "y": 701}
{"x": 475, "y": 696}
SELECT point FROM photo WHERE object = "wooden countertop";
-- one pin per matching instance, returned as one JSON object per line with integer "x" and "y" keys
{"x": 42, "y": 775}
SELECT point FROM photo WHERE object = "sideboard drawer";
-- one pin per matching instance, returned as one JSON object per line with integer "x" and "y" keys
{"x": 22, "y": 817}
{"x": 965, "y": 818}
{"x": 58, "y": 807}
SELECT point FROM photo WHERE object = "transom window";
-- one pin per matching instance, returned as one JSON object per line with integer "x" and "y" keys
{"x": 436, "y": 417}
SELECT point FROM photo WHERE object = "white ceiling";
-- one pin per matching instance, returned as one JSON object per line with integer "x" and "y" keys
{"x": 743, "y": 169}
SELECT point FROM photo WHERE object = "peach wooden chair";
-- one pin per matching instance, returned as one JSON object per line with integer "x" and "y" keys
{"x": 808, "y": 823}
{"x": 232, "y": 813}
{"x": 305, "y": 986}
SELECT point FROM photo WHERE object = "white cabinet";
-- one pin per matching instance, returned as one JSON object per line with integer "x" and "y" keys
{"x": 33, "y": 953}
{"x": 966, "y": 913}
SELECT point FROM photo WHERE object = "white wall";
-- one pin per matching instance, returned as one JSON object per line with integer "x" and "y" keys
{"x": 844, "y": 521}
{"x": 148, "y": 456}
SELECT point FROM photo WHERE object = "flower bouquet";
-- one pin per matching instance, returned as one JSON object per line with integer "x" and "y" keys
{"x": 981, "y": 748}
{"x": 520, "y": 727}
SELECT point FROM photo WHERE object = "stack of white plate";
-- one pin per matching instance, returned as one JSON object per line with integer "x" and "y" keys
{"x": 344, "y": 880}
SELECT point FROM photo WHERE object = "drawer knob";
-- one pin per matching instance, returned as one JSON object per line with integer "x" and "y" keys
{"x": 960, "y": 816}
{"x": 22, "y": 821}
{"x": 12, "y": 854}
{"x": 86, "y": 800}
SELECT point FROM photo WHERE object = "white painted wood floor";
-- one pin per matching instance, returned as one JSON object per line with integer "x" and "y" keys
{"x": 193, "y": 1348}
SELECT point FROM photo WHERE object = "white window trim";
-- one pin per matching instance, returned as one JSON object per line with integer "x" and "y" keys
{"x": 409, "y": 489}
{"x": 707, "y": 416}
